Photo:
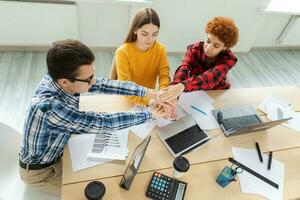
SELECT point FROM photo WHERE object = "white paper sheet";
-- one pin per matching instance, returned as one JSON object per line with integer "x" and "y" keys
{"x": 143, "y": 130}
{"x": 112, "y": 152}
{"x": 196, "y": 98}
{"x": 202, "y": 101}
{"x": 280, "y": 109}
{"x": 273, "y": 101}
{"x": 292, "y": 123}
{"x": 79, "y": 146}
{"x": 252, "y": 184}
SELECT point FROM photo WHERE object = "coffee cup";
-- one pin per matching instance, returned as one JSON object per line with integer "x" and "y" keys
{"x": 180, "y": 166}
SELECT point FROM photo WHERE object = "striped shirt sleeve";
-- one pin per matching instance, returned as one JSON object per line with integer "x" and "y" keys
{"x": 107, "y": 86}
{"x": 71, "y": 120}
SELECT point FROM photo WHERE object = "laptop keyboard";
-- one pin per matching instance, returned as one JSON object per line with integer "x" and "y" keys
{"x": 238, "y": 122}
{"x": 186, "y": 138}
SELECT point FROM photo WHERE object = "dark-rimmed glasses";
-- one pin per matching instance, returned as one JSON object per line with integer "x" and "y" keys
{"x": 88, "y": 80}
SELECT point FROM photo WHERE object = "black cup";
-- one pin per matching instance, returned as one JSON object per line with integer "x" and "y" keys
{"x": 181, "y": 164}
{"x": 94, "y": 190}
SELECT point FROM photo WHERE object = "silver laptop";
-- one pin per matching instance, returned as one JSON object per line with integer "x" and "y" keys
{"x": 182, "y": 136}
{"x": 242, "y": 119}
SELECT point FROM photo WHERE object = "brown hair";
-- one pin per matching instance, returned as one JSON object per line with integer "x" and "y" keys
{"x": 223, "y": 28}
{"x": 143, "y": 17}
{"x": 66, "y": 56}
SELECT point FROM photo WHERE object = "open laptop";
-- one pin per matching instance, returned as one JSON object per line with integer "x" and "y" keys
{"x": 182, "y": 136}
{"x": 242, "y": 119}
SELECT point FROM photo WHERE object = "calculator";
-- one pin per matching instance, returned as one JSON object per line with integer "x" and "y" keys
{"x": 163, "y": 187}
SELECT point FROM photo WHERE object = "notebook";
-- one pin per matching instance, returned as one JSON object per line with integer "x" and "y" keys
{"x": 242, "y": 119}
{"x": 182, "y": 136}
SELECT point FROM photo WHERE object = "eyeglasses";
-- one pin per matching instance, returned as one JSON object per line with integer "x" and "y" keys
{"x": 89, "y": 80}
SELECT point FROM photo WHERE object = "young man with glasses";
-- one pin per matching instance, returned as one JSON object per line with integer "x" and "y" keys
{"x": 53, "y": 114}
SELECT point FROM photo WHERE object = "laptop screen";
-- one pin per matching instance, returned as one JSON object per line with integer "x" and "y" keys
{"x": 134, "y": 164}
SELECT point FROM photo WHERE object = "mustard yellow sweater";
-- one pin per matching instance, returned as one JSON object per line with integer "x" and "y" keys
{"x": 143, "y": 67}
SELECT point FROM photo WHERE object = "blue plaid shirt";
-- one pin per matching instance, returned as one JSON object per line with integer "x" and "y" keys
{"x": 54, "y": 115}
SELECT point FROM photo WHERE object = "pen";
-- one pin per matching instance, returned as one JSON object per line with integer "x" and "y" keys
{"x": 270, "y": 160}
{"x": 259, "y": 152}
{"x": 199, "y": 110}
{"x": 220, "y": 117}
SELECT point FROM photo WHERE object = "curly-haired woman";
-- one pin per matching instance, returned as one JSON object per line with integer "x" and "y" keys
{"x": 206, "y": 64}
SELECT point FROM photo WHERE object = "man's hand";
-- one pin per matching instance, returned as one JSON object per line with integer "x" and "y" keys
{"x": 164, "y": 110}
{"x": 151, "y": 93}
{"x": 170, "y": 93}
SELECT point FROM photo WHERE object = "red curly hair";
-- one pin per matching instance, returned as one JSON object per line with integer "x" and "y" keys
{"x": 223, "y": 28}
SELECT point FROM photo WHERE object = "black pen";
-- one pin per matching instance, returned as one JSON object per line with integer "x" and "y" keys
{"x": 259, "y": 152}
{"x": 270, "y": 160}
{"x": 220, "y": 121}
{"x": 220, "y": 117}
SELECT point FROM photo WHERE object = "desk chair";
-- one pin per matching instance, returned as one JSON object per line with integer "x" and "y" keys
{"x": 12, "y": 187}
{"x": 113, "y": 75}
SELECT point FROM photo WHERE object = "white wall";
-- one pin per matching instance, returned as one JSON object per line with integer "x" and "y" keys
{"x": 182, "y": 22}
{"x": 293, "y": 37}
{"x": 105, "y": 23}
{"x": 276, "y": 23}
{"x": 36, "y": 24}
{"x": 186, "y": 20}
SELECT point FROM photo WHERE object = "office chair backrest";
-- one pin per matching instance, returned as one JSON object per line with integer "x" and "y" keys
{"x": 113, "y": 70}
{"x": 9, "y": 147}
{"x": 12, "y": 187}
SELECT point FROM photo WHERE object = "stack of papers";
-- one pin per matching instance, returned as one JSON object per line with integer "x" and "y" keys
{"x": 250, "y": 183}
{"x": 81, "y": 145}
{"x": 277, "y": 108}
{"x": 272, "y": 105}
{"x": 112, "y": 146}
{"x": 199, "y": 105}
{"x": 292, "y": 123}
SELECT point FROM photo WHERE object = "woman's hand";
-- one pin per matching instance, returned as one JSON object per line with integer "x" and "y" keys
{"x": 170, "y": 93}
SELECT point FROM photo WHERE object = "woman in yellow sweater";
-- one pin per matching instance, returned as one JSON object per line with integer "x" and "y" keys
{"x": 142, "y": 59}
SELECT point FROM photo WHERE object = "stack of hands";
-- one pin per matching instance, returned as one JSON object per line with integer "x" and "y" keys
{"x": 163, "y": 103}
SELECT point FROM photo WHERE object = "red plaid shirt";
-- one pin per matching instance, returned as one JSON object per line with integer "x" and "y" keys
{"x": 195, "y": 73}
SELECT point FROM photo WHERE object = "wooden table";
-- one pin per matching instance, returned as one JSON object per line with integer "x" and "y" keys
{"x": 254, "y": 96}
{"x": 201, "y": 182}
{"x": 218, "y": 149}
